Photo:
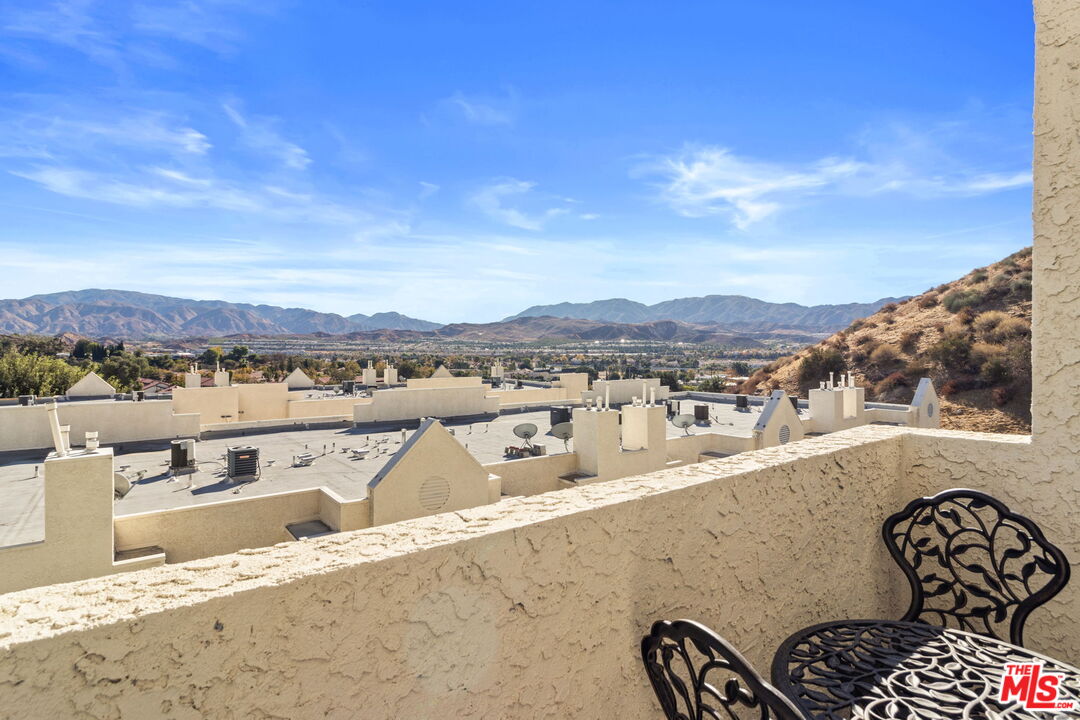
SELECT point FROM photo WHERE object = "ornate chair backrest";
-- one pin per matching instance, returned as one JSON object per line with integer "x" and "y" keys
{"x": 697, "y": 675}
{"x": 973, "y": 564}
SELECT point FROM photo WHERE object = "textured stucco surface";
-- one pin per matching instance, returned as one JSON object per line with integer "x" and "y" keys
{"x": 1056, "y": 216}
{"x": 533, "y": 607}
{"x": 512, "y": 610}
{"x": 1008, "y": 467}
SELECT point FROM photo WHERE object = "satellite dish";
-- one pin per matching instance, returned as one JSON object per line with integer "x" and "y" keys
{"x": 683, "y": 422}
{"x": 121, "y": 485}
{"x": 526, "y": 431}
{"x": 564, "y": 431}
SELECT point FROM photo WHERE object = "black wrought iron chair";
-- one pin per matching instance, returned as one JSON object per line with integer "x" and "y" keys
{"x": 973, "y": 564}
{"x": 697, "y": 675}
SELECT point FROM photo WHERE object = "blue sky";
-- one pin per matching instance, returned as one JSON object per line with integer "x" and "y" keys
{"x": 461, "y": 161}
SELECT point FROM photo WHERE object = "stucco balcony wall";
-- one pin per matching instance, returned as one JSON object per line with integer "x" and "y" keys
{"x": 530, "y": 608}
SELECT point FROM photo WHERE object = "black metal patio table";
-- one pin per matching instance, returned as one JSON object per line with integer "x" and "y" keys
{"x": 877, "y": 669}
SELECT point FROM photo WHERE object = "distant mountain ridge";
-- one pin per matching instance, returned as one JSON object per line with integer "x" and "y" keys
{"x": 128, "y": 314}
{"x": 730, "y": 311}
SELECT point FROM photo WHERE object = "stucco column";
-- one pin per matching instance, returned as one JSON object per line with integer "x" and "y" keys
{"x": 1056, "y": 217}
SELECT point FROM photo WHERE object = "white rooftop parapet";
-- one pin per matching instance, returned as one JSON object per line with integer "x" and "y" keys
{"x": 91, "y": 385}
{"x": 431, "y": 473}
{"x": 298, "y": 380}
{"x": 926, "y": 405}
{"x": 779, "y": 423}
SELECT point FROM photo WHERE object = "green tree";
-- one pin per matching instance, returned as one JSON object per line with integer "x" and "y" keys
{"x": 741, "y": 368}
{"x": 212, "y": 356}
{"x": 89, "y": 350}
{"x": 35, "y": 375}
{"x": 123, "y": 371}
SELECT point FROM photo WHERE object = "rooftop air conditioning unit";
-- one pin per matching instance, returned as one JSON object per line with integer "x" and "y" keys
{"x": 243, "y": 461}
{"x": 182, "y": 454}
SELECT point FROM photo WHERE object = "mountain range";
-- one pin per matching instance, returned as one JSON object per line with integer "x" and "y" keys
{"x": 732, "y": 311}
{"x": 126, "y": 314}
{"x": 529, "y": 329}
{"x": 134, "y": 315}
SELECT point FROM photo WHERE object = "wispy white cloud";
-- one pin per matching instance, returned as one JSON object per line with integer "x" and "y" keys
{"x": 700, "y": 181}
{"x": 261, "y": 135}
{"x": 169, "y": 188}
{"x": 492, "y": 201}
{"x": 206, "y": 24}
{"x": 427, "y": 189}
{"x": 70, "y": 127}
{"x": 75, "y": 24}
{"x": 704, "y": 180}
{"x": 484, "y": 110}
{"x": 118, "y": 33}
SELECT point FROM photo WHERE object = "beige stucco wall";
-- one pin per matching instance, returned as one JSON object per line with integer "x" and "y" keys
{"x": 78, "y": 534}
{"x": 432, "y": 455}
{"x": 443, "y": 382}
{"x": 212, "y": 405}
{"x": 218, "y": 528}
{"x": 78, "y": 496}
{"x": 406, "y": 404}
{"x": 532, "y": 476}
{"x": 688, "y": 448}
{"x": 27, "y": 428}
{"x": 503, "y": 611}
{"x": 1006, "y": 467}
{"x": 257, "y": 402}
{"x": 230, "y": 525}
{"x": 342, "y": 407}
{"x": 532, "y": 395}
{"x": 573, "y": 383}
{"x": 480, "y": 612}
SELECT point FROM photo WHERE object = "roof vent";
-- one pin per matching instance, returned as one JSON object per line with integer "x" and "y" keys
{"x": 434, "y": 492}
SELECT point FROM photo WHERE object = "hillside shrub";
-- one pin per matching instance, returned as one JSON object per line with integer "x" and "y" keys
{"x": 966, "y": 316}
{"x": 916, "y": 369}
{"x": 957, "y": 300}
{"x": 885, "y": 356}
{"x": 998, "y": 327}
{"x": 1002, "y": 395}
{"x": 956, "y": 385}
{"x": 953, "y": 353}
{"x": 893, "y": 382}
{"x": 818, "y": 363}
{"x": 889, "y": 308}
{"x": 928, "y": 300}
{"x": 982, "y": 352}
{"x": 978, "y": 276}
{"x": 864, "y": 339}
{"x": 985, "y": 324}
{"x": 995, "y": 372}
{"x": 1020, "y": 288}
{"x": 909, "y": 340}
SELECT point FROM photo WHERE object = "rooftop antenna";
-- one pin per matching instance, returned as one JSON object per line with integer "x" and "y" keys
{"x": 526, "y": 431}
{"x": 564, "y": 431}
{"x": 683, "y": 422}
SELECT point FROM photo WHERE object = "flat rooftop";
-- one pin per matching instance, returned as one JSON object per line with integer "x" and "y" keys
{"x": 22, "y": 496}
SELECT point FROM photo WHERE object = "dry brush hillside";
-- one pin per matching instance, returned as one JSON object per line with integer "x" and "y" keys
{"x": 972, "y": 336}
